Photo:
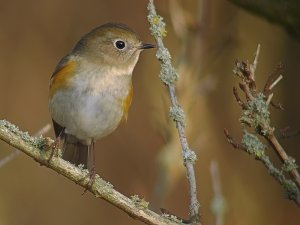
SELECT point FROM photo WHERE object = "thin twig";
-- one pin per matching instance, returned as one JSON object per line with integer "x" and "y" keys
{"x": 287, "y": 132}
{"x": 264, "y": 125}
{"x": 38, "y": 148}
{"x": 277, "y": 105}
{"x": 269, "y": 99}
{"x": 252, "y": 145}
{"x": 254, "y": 65}
{"x": 273, "y": 79}
{"x": 276, "y": 82}
{"x": 269, "y": 131}
{"x": 257, "y": 116}
{"x": 238, "y": 99}
{"x": 230, "y": 140}
{"x": 169, "y": 75}
{"x": 218, "y": 204}
{"x": 9, "y": 158}
{"x": 283, "y": 156}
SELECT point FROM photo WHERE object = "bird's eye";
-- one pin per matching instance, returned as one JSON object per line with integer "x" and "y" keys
{"x": 120, "y": 44}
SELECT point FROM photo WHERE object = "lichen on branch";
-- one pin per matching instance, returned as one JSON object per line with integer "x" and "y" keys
{"x": 256, "y": 116}
{"x": 39, "y": 148}
{"x": 168, "y": 76}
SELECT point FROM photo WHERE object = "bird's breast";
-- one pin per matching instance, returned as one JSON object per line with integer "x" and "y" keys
{"x": 94, "y": 103}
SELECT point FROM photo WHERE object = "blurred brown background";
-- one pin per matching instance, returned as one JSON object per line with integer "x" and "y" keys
{"x": 136, "y": 158}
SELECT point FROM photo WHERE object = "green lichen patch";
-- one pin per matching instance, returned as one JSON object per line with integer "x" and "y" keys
{"x": 253, "y": 145}
{"x": 172, "y": 218}
{"x": 163, "y": 55}
{"x": 168, "y": 74}
{"x": 190, "y": 155}
{"x": 239, "y": 69}
{"x": 289, "y": 165}
{"x": 139, "y": 202}
{"x": 291, "y": 189}
{"x": 257, "y": 114}
{"x": 177, "y": 114}
{"x": 157, "y": 25}
{"x": 37, "y": 142}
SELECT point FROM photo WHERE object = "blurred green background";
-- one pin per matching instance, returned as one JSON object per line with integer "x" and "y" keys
{"x": 143, "y": 156}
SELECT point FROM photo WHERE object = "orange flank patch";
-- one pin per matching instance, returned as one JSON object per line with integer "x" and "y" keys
{"x": 61, "y": 77}
{"x": 127, "y": 102}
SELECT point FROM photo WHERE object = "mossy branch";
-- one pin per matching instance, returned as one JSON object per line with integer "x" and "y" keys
{"x": 40, "y": 148}
{"x": 256, "y": 115}
{"x": 169, "y": 75}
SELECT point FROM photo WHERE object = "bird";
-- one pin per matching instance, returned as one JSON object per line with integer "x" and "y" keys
{"x": 91, "y": 90}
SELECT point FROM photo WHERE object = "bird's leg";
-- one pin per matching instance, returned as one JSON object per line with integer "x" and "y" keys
{"x": 91, "y": 166}
{"x": 56, "y": 144}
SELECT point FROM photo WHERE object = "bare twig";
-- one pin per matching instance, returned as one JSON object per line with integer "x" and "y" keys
{"x": 169, "y": 75}
{"x": 273, "y": 79}
{"x": 275, "y": 82}
{"x": 277, "y": 105}
{"x": 287, "y": 132}
{"x": 9, "y": 158}
{"x": 218, "y": 204}
{"x": 15, "y": 153}
{"x": 254, "y": 65}
{"x": 38, "y": 148}
{"x": 237, "y": 98}
{"x": 230, "y": 140}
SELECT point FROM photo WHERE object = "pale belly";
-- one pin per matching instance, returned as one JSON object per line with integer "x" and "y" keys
{"x": 86, "y": 115}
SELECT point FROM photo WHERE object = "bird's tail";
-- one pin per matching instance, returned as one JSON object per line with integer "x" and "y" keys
{"x": 75, "y": 152}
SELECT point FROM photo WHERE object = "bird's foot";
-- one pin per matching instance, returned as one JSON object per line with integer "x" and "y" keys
{"x": 91, "y": 176}
{"x": 54, "y": 149}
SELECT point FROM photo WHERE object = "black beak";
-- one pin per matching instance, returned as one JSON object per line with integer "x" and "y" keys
{"x": 146, "y": 46}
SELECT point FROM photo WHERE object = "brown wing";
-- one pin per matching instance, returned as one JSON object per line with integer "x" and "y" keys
{"x": 59, "y": 79}
{"x": 62, "y": 74}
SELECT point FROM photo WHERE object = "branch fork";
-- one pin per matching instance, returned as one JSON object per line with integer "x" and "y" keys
{"x": 256, "y": 115}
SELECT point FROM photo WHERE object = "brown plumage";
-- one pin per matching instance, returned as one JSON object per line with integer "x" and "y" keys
{"x": 91, "y": 89}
